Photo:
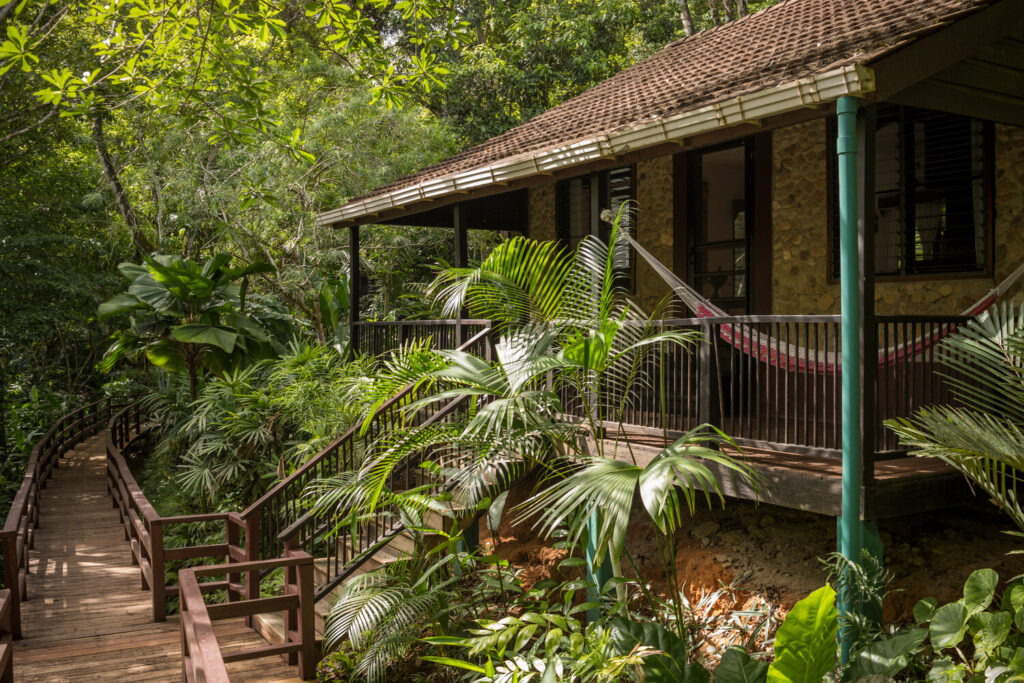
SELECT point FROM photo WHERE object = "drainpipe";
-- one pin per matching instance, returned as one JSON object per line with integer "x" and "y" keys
{"x": 849, "y": 269}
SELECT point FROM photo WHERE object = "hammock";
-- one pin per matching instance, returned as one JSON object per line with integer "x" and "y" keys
{"x": 785, "y": 355}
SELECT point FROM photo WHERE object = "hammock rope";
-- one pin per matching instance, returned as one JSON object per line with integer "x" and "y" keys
{"x": 782, "y": 354}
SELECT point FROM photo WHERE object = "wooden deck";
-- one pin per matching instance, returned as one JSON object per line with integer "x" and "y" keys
{"x": 902, "y": 486}
{"x": 87, "y": 617}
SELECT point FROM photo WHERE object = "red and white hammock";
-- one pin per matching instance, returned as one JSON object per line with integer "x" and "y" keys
{"x": 782, "y": 354}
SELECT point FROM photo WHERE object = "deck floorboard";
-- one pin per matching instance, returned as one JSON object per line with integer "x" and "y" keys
{"x": 87, "y": 617}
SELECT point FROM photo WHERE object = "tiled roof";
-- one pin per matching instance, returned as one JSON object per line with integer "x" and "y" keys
{"x": 791, "y": 40}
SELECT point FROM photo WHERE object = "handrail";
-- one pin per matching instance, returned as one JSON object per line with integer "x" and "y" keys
{"x": 373, "y": 534}
{"x": 279, "y": 509}
{"x": 201, "y": 653}
{"x": 18, "y": 533}
{"x": 144, "y": 526}
{"x": 6, "y": 636}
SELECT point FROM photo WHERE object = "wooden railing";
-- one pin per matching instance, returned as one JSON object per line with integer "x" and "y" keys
{"x": 280, "y": 517}
{"x": 375, "y": 338}
{"x": 203, "y": 659}
{"x": 6, "y": 636}
{"x": 144, "y": 527}
{"x": 18, "y": 533}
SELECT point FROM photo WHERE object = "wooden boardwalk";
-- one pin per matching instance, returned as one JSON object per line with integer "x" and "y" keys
{"x": 87, "y": 617}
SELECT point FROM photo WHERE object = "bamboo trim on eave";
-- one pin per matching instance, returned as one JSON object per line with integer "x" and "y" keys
{"x": 854, "y": 80}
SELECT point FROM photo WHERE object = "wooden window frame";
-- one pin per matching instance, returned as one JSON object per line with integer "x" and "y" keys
{"x": 988, "y": 165}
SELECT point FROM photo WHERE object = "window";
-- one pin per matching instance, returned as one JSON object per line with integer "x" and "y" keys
{"x": 573, "y": 202}
{"x": 931, "y": 206}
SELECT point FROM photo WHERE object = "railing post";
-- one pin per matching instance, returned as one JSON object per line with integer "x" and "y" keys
{"x": 11, "y": 578}
{"x": 704, "y": 388}
{"x": 156, "y": 564}
{"x": 231, "y": 537}
{"x": 307, "y": 635}
{"x": 252, "y": 554}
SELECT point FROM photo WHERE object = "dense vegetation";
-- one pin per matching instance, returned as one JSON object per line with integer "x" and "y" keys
{"x": 160, "y": 167}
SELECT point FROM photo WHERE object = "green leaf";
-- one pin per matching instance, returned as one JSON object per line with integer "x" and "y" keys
{"x": 673, "y": 666}
{"x": 457, "y": 663}
{"x": 990, "y": 630}
{"x": 495, "y": 511}
{"x": 887, "y": 657}
{"x": 167, "y": 355}
{"x": 122, "y": 303}
{"x": 980, "y": 589}
{"x": 924, "y": 610}
{"x": 948, "y": 625}
{"x": 945, "y": 671}
{"x": 738, "y": 667}
{"x": 805, "y": 644}
{"x": 197, "y": 333}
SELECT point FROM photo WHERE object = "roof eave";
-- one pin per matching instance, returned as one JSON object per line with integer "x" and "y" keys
{"x": 849, "y": 80}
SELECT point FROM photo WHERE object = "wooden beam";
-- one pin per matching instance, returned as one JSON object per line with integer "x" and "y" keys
{"x": 353, "y": 287}
{"x": 963, "y": 100}
{"x": 946, "y": 46}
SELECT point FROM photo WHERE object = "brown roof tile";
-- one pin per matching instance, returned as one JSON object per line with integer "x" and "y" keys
{"x": 791, "y": 40}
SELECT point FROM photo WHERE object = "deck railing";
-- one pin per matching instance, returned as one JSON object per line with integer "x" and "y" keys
{"x": 18, "y": 533}
{"x": 202, "y": 657}
{"x": 375, "y": 338}
{"x": 775, "y": 381}
{"x": 6, "y": 637}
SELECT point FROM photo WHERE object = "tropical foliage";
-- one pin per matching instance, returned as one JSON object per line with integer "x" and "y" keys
{"x": 983, "y": 435}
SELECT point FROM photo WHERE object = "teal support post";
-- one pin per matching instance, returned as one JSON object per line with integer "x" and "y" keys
{"x": 597, "y": 576}
{"x": 849, "y": 284}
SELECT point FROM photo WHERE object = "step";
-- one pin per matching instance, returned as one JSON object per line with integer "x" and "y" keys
{"x": 271, "y": 626}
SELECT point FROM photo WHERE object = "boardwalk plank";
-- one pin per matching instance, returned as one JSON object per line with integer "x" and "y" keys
{"x": 87, "y": 617}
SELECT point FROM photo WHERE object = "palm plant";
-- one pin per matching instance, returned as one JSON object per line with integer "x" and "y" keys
{"x": 567, "y": 328}
{"x": 983, "y": 436}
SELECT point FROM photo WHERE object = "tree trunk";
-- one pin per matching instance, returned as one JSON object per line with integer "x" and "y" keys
{"x": 142, "y": 243}
{"x": 741, "y": 8}
{"x": 686, "y": 17}
{"x": 716, "y": 16}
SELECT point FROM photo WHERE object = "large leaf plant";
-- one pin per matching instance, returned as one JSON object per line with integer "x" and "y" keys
{"x": 187, "y": 317}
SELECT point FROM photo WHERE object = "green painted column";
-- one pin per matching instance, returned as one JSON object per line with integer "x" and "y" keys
{"x": 595, "y": 574}
{"x": 849, "y": 271}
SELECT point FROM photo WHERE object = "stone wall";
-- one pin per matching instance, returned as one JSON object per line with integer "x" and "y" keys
{"x": 800, "y": 277}
{"x": 542, "y": 212}
{"x": 653, "y": 212}
{"x": 654, "y": 228}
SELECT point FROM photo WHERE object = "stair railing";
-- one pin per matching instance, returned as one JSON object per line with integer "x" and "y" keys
{"x": 278, "y": 517}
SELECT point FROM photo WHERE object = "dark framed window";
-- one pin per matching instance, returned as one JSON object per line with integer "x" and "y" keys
{"x": 932, "y": 193}
{"x": 575, "y": 204}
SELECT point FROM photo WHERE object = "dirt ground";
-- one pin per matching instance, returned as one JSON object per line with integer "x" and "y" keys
{"x": 930, "y": 554}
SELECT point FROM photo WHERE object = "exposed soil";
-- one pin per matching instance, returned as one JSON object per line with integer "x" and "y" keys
{"x": 929, "y": 554}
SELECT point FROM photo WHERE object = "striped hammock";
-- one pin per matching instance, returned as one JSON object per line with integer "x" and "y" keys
{"x": 782, "y": 354}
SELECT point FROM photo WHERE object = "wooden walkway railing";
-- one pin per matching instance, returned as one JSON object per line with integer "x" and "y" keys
{"x": 144, "y": 527}
{"x": 202, "y": 658}
{"x": 18, "y": 534}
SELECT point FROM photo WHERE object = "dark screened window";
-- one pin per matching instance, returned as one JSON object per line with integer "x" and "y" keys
{"x": 930, "y": 193}
{"x": 615, "y": 188}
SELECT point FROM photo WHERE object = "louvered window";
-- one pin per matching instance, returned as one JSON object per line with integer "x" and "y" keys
{"x": 930, "y": 193}
{"x": 615, "y": 188}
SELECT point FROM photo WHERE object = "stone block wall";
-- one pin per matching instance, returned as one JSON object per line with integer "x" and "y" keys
{"x": 542, "y": 212}
{"x": 800, "y": 277}
{"x": 653, "y": 214}
{"x": 654, "y": 226}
